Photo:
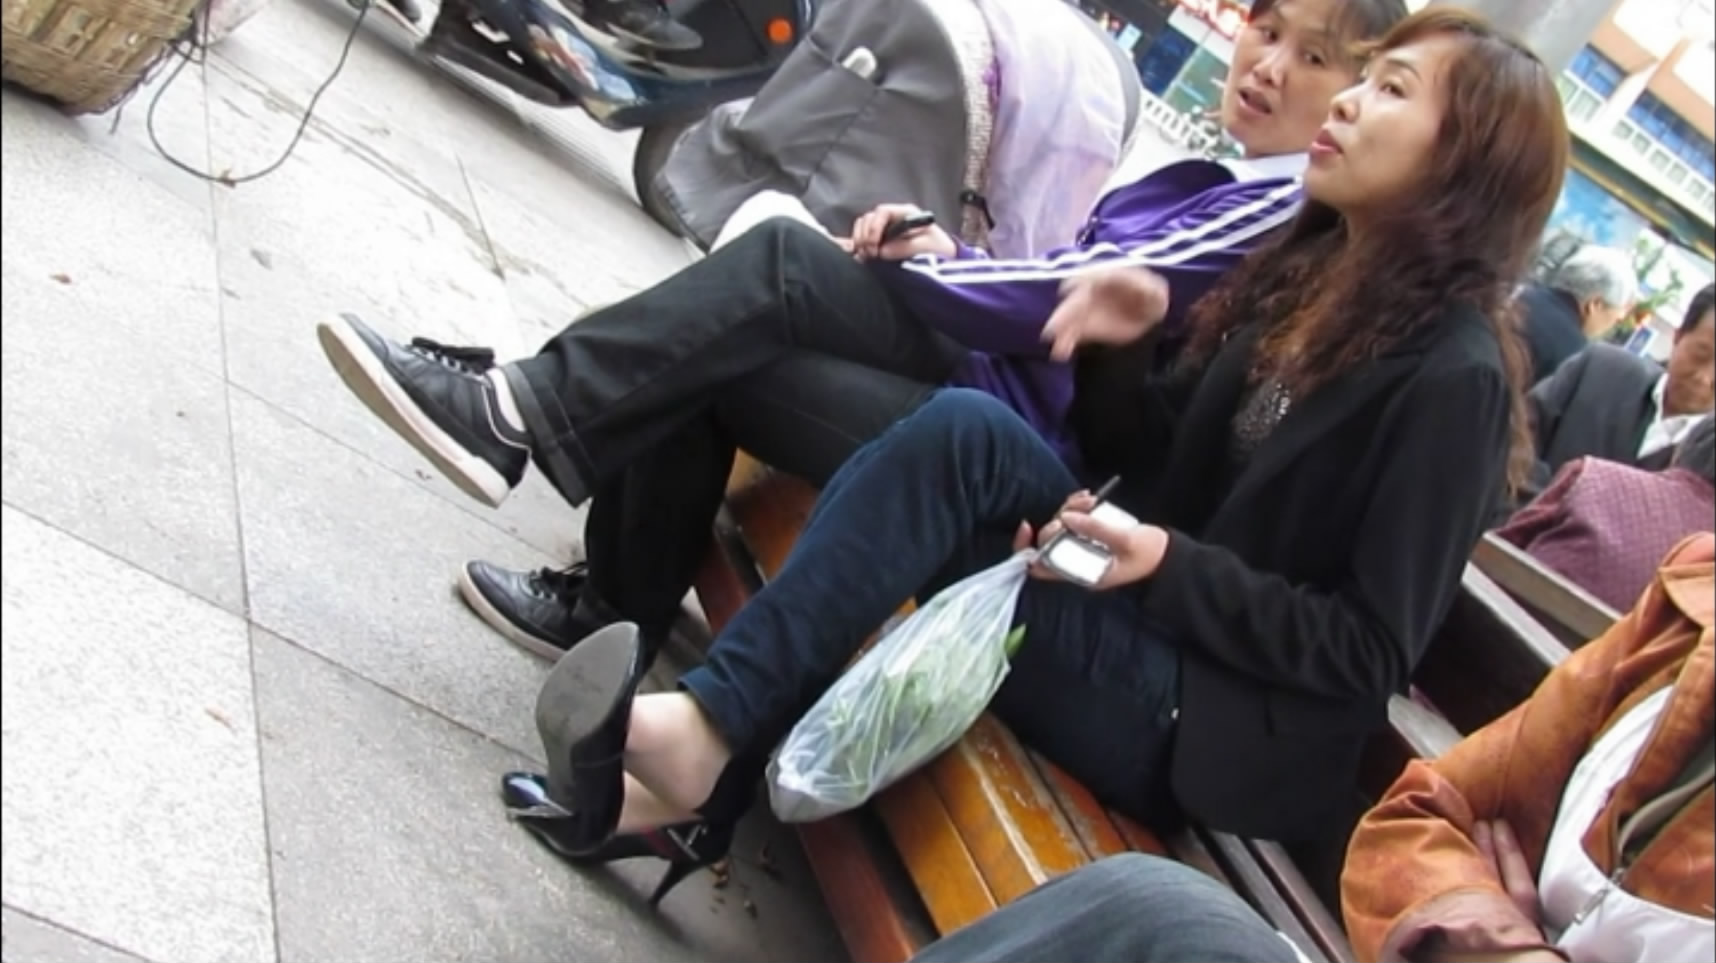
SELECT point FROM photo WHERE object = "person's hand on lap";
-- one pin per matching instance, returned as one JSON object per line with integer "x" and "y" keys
{"x": 1137, "y": 548}
{"x": 866, "y": 241}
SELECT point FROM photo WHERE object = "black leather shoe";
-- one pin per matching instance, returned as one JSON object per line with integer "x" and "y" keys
{"x": 583, "y": 714}
{"x": 645, "y": 23}
{"x": 545, "y": 611}
{"x": 537, "y": 610}
{"x": 687, "y": 847}
{"x": 434, "y": 397}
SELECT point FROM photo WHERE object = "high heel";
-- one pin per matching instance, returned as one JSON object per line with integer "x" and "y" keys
{"x": 583, "y": 714}
{"x": 687, "y": 847}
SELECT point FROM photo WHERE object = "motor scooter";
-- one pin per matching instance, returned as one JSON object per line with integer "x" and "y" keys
{"x": 546, "y": 51}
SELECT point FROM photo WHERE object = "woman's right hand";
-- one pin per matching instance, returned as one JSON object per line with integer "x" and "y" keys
{"x": 1116, "y": 305}
{"x": 1138, "y": 549}
{"x": 867, "y": 234}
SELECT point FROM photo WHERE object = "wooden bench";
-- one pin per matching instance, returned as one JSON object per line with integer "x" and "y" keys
{"x": 1572, "y": 614}
{"x": 1489, "y": 656}
{"x": 990, "y": 820}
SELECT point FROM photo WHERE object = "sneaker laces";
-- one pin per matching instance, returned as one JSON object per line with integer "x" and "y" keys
{"x": 561, "y": 584}
{"x": 465, "y": 360}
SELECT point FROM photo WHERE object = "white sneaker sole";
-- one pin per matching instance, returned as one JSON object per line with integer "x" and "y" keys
{"x": 369, "y": 379}
{"x": 485, "y": 610}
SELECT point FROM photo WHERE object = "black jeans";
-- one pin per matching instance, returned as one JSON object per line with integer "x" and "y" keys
{"x": 649, "y": 528}
{"x": 1095, "y": 687}
{"x": 624, "y": 383}
{"x": 1123, "y": 909}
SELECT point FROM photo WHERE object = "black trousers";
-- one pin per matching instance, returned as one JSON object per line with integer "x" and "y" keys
{"x": 649, "y": 528}
{"x": 779, "y": 343}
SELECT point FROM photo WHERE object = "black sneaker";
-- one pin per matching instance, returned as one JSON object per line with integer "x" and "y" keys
{"x": 436, "y": 398}
{"x": 537, "y": 611}
{"x": 645, "y": 23}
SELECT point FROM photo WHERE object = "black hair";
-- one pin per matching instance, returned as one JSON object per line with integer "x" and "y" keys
{"x": 1701, "y": 304}
{"x": 1355, "y": 21}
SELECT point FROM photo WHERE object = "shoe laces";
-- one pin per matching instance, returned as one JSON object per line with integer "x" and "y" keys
{"x": 557, "y": 583}
{"x": 465, "y": 360}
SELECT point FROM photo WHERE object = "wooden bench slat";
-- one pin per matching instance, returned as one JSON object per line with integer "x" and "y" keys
{"x": 985, "y": 775}
{"x": 1095, "y": 828}
{"x": 1488, "y": 656}
{"x": 842, "y": 856}
{"x": 1251, "y": 882}
{"x": 770, "y": 512}
{"x": 1184, "y": 845}
{"x": 1574, "y": 615}
{"x": 1422, "y": 727}
{"x": 843, "y": 861}
{"x": 1324, "y": 929}
{"x": 720, "y": 589}
{"x": 1414, "y": 732}
{"x": 941, "y": 866}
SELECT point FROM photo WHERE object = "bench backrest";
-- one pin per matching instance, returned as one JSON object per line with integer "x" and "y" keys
{"x": 1572, "y": 614}
{"x": 1489, "y": 655}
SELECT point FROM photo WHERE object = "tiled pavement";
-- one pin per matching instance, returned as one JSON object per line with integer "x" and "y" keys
{"x": 244, "y": 717}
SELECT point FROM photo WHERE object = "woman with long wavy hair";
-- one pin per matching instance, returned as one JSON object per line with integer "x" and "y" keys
{"x": 1328, "y": 459}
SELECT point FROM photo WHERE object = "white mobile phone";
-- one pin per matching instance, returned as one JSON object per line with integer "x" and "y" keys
{"x": 1080, "y": 560}
{"x": 1085, "y": 560}
{"x": 1109, "y": 513}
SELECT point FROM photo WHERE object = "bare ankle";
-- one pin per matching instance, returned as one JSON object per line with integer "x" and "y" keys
{"x": 673, "y": 749}
{"x": 644, "y": 810}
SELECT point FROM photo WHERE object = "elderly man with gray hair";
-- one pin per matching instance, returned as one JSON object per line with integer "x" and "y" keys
{"x": 1584, "y": 297}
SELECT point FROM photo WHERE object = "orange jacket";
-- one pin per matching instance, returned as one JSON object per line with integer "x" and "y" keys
{"x": 1414, "y": 878}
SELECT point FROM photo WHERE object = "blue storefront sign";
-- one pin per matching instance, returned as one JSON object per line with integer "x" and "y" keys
{"x": 1592, "y": 213}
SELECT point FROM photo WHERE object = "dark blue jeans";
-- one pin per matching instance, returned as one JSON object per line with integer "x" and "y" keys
{"x": 935, "y": 498}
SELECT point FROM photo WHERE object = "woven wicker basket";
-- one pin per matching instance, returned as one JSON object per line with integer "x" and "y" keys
{"x": 88, "y": 54}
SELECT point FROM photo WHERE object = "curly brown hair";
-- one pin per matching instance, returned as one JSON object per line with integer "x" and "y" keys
{"x": 1466, "y": 235}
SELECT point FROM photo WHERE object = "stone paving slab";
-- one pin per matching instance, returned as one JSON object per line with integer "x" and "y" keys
{"x": 244, "y": 717}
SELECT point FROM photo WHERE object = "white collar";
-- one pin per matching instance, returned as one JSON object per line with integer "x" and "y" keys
{"x": 1273, "y": 167}
{"x": 1664, "y": 431}
{"x": 1659, "y": 394}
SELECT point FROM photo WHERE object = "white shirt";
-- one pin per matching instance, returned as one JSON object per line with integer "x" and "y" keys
{"x": 1664, "y": 432}
{"x": 1593, "y": 919}
{"x": 1267, "y": 168}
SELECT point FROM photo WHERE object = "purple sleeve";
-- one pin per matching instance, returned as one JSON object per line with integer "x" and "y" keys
{"x": 1000, "y": 305}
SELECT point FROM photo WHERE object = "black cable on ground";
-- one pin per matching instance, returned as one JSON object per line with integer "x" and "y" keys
{"x": 194, "y": 49}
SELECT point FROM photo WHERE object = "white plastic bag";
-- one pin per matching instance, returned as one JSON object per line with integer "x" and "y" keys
{"x": 905, "y": 701}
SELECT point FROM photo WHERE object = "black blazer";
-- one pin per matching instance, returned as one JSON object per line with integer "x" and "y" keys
{"x": 1597, "y": 403}
{"x": 1303, "y": 595}
{"x": 1549, "y": 319}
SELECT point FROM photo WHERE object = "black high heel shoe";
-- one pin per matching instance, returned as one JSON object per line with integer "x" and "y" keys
{"x": 583, "y": 714}
{"x": 687, "y": 847}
